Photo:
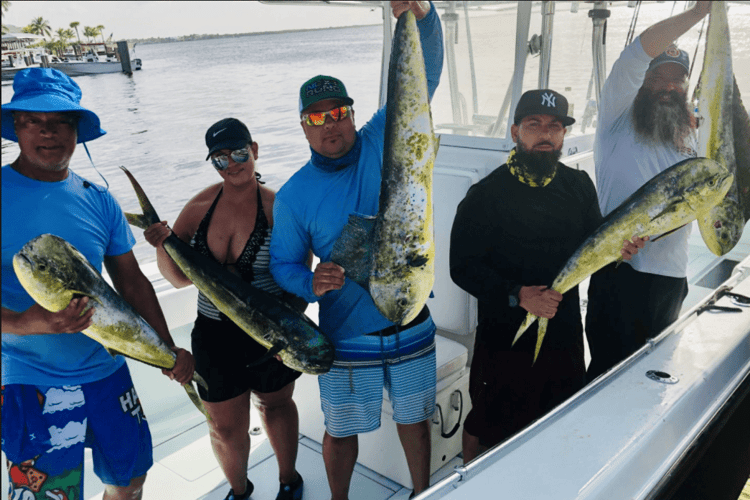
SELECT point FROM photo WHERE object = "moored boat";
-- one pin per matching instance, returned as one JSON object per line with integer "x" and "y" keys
{"x": 636, "y": 432}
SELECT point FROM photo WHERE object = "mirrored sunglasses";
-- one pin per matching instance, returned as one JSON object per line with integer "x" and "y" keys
{"x": 319, "y": 118}
{"x": 221, "y": 162}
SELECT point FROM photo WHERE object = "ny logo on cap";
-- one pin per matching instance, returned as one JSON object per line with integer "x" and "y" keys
{"x": 549, "y": 99}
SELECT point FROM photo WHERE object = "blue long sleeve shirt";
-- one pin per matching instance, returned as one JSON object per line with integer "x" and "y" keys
{"x": 313, "y": 207}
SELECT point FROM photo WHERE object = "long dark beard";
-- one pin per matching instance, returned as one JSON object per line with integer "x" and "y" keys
{"x": 662, "y": 122}
{"x": 537, "y": 164}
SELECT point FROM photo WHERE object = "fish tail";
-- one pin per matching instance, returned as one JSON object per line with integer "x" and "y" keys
{"x": 137, "y": 220}
{"x": 149, "y": 215}
{"x": 200, "y": 380}
{"x": 196, "y": 399}
{"x": 540, "y": 337}
{"x": 530, "y": 318}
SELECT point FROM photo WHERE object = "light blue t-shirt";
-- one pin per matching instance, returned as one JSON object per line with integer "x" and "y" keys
{"x": 312, "y": 208}
{"x": 625, "y": 162}
{"x": 91, "y": 220}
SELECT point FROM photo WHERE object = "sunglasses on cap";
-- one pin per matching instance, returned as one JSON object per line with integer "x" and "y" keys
{"x": 221, "y": 162}
{"x": 319, "y": 118}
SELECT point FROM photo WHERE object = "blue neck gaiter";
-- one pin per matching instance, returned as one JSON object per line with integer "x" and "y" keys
{"x": 332, "y": 165}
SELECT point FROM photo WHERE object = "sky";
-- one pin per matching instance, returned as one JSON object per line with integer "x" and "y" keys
{"x": 145, "y": 19}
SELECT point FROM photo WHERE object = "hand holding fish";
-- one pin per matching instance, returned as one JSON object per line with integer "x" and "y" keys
{"x": 420, "y": 8}
{"x": 36, "y": 320}
{"x": 184, "y": 366}
{"x": 157, "y": 233}
{"x": 328, "y": 276}
{"x": 630, "y": 247}
{"x": 540, "y": 301}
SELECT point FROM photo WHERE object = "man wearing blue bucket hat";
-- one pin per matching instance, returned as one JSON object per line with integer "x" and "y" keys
{"x": 62, "y": 391}
{"x": 644, "y": 126}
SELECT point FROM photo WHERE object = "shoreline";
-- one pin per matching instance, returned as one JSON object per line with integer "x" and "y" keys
{"x": 194, "y": 37}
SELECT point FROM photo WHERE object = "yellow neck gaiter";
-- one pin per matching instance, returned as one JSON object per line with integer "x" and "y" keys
{"x": 522, "y": 173}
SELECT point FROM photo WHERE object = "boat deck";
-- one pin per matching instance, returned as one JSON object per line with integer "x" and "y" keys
{"x": 185, "y": 467}
{"x": 184, "y": 464}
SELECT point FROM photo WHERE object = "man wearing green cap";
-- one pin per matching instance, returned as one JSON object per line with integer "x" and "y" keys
{"x": 645, "y": 126}
{"x": 62, "y": 391}
{"x": 311, "y": 209}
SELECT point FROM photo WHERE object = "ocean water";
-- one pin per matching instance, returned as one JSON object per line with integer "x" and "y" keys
{"x": 156, "y": 119}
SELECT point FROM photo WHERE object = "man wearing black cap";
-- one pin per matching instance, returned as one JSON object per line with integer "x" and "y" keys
{"x": 512, "y": 234}
{"x": 62, "y": 391}
{"x": 311, "y": 209}
{"x": 644, "y": 126}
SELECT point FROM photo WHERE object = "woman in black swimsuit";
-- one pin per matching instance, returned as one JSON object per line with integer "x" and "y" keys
{"x": 231, "y": 222}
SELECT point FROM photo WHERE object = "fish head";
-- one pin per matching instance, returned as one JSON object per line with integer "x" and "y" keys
{"x": 401, "y": 300}
{"x": 721, "y": 227}
{"x": 48, "y": 269}
{"x": 706, "y": 183}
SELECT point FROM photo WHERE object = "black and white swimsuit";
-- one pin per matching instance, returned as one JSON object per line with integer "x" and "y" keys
{"x": 253, "y": 262}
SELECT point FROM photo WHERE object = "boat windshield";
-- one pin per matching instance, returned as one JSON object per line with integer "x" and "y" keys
{"x": 476, "y": 92}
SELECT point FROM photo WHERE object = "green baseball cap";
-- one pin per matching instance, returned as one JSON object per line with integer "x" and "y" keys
{"x": 322, "y": 87}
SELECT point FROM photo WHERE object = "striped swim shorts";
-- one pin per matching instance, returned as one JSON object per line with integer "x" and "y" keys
{"x": 404, "y": 364}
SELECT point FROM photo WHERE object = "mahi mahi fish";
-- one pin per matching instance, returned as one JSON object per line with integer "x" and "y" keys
{"x": 671, "y": 199}
{"x": 267, "y": 319}
{"x": 721, "y": 228}
{"x": 392, "y": 255}
{"x": 54, "y": 272}
{"x": 741, "y": 121}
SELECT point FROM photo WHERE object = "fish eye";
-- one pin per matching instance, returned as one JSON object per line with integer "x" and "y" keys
{"x": 712, "y": 182}
{"x": 402, "y": 302}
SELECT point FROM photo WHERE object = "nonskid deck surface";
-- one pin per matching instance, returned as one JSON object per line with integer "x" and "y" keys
{"x": 186, "y": 469}
{"x": 184, "y": 464}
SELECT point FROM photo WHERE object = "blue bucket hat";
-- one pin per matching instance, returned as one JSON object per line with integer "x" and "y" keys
{"x": 45, "y": 90}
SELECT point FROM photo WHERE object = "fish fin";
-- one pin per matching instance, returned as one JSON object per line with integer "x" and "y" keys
{"x": 669, "y": 209}
{"x": 149, "y": 215}
{"x": 541, "y": 332}
{"x": 273, "y": 351}
{"x": 112, "y": 352}
{"x": 353, "y": 249}
{"x": 530, "y": 318}
{"x": 437, "y": 143}
{"x": 619, "y": 261}
{"x": 196, "y": 399}
{"x": 667, "y": 233}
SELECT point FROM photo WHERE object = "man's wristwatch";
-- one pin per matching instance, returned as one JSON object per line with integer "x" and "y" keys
{"x": 513, "y": 299}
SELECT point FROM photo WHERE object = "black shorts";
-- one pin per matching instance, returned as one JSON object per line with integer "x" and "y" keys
{"x": 626, "y": 308}
{"x": 508, "y": 392}
{"x": 222, "y": 353}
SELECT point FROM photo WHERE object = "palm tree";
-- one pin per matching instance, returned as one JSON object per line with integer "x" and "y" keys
{"x": 63, "y": 36}
{"x": 5, "y": 7}
{"x": 40, "y": 26}
{"x": 89, "y": 33}
{"x": 74, "y": 25}
{"x": 100, "y": 30}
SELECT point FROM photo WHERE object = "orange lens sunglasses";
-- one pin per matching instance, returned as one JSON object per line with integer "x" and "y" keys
{"x": 319, "y": 118}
